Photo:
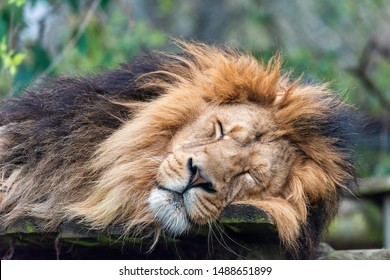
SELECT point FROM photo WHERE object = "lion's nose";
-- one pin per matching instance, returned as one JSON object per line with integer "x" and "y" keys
{"x": 197, "y": 179}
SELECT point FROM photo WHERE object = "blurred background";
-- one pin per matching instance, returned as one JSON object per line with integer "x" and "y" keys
{"x": 344, "y": 42}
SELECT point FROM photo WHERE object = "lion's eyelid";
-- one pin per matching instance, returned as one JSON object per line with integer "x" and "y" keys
{"x": 219, "y": 131}
{"x": 258, "y": 136}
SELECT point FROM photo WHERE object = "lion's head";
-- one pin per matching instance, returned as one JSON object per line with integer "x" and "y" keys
{"x": 201, "y": 131}
{"x": 231, "y": 153}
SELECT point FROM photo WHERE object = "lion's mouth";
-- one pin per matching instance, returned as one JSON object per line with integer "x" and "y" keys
{"x": 206, "y": 186}
{"x": 177, "y": 212}
{"x": 198, "y": 179}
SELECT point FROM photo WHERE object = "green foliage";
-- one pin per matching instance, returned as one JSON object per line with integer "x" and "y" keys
{"x": 115, "y": 44}
{"x": 18, "y": 3}
{"x": 166, "y": 6}
{"x": 9, "y": 59}
{"x": 87, "y": 39}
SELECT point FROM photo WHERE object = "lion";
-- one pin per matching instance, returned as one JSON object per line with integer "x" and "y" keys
{"x": 163, "y": 144}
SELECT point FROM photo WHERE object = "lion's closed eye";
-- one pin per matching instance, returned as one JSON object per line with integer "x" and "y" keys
{"x": 219, "y": 130}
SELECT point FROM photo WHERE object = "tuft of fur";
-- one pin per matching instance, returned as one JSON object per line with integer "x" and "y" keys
{"x": 90, "y": 148}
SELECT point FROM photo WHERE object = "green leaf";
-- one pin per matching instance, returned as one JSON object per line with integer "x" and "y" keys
{"x": 18, "y": 58}
{"x": 18, "y": 3}
{"x": 3, "y": 46}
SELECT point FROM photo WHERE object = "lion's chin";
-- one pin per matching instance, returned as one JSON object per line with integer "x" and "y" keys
{"x": 168, "y": 208}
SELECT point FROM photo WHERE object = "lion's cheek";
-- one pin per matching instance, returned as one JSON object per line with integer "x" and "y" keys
{"x": 201, "y": 207}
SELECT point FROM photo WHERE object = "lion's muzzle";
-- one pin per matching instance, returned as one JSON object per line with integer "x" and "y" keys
{"x": 197, "y": 179}
{"x": 177, "y": 207}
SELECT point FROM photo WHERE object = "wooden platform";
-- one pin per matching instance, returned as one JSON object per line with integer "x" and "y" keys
{"x": 244, "y": 232}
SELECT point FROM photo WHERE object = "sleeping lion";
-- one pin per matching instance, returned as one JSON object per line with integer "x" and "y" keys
{"x": 165, "y": 143}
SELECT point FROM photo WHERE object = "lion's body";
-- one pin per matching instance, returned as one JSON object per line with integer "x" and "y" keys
{"x": 167, "y": 142}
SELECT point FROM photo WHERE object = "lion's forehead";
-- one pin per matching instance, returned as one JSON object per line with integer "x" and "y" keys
{"x": 242, "y": 120}
{"x": 244, "y": 112}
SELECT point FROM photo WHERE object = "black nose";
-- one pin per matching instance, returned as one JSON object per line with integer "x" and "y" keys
{"x": 197, "y": 179}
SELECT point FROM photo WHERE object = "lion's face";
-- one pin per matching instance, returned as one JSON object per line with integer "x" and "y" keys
{"x": 231, "y": 153}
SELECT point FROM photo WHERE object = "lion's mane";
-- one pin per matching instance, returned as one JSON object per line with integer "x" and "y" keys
{"x": 89, "y": 148}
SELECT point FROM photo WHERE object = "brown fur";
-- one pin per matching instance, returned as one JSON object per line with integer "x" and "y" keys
{"x": 284, "y": 150}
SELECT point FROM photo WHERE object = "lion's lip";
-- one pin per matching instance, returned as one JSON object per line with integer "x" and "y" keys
{"x": 175, "y": 195}
{"x": 200, "y": 183}
{"x": 175, "y": 198}
{"x": 180, "y": 201}
{"x": 162, "y": 188}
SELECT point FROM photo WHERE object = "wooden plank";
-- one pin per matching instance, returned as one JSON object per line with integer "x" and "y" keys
{"x": 244, "y": 232}
{"x": 327, "y": 253}
{"x": 374, "y": 186}
{"x": 386, "y": 220}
